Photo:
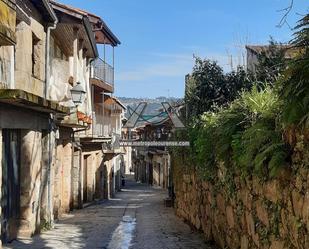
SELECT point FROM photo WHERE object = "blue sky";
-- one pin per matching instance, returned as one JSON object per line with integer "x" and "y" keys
{"x": 159, "y": 37}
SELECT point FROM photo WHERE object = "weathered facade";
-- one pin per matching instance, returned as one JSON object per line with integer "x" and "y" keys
{"x": 72, "y": 48}
{"x": 92, "y": 173}
{"x": 152, "y": 164}
{"x": 48, "y": 163}
{"x": 26, "y": 121}
{"x": 254, "y": 51}
{"x": 113, "y": 153}
{"x": 247, "y": 212}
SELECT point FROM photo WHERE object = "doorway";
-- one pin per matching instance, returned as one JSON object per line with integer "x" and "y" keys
{"x": 150, "y": 172}
{"x": 85, "y": 189}
{"x": 105, "y": 181}
{"x": 10, "y": 201}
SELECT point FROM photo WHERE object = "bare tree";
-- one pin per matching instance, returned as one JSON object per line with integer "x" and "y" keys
{"x": 286, "y": 11}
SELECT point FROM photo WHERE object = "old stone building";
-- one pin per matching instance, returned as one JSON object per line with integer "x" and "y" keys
{"x": 97, "y": 165}
{"x": 52, "y": 156}
{"x": 152, "y": 164}
{"x": 115, "y": 109}
{"x": 27, "y": 119}
{"x": 102, "y": 153}
{"x": 72, "y": 48}
{"x": 254, "y": 51}
{"x": 127, "y": 167}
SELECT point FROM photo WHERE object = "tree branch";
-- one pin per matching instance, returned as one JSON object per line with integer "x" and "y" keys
{"x": 284, "y": 18}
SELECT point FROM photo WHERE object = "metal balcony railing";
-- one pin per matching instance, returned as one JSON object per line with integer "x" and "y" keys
{"x": 102, "y": 71}
{"x": 101, "y": 125}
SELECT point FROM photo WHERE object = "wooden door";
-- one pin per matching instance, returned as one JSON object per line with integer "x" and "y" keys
{"x": 10, "y": 201}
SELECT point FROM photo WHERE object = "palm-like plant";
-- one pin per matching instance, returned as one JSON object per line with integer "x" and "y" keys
{"x": 295, "y": 84}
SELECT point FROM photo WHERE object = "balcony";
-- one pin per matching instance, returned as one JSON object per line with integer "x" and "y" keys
{"x": 101, "y": 127}
{"x": 102, "y": 75}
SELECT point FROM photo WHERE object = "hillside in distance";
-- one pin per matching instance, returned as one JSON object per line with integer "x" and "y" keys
{"x": 153, "y": 105}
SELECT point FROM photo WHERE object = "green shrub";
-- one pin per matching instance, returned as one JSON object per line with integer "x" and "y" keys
{"x": 295, "y": 84}
{"x": 260, "y": 147}
{"x": 244, "y": 125}
{"x": 231, "y": 121}
{"x": 261, "y": 102}
{"x": 202, "y": 141}
{"x": 246, "y": 134}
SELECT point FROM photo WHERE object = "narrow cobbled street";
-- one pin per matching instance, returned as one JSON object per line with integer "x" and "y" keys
{"x": 136, "y": 218}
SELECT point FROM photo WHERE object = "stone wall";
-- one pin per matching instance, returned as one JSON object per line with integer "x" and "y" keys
{"x": 90, "y": 176}
{"x": 160, "y": 164}
{"x": 28, "y": 76}
{"x": 76, "y": 178}
{"x": 92, "y": 166}
{"x": 31, "y": 185}
{"x": 247, "y": 213}
{"x": 48, "y": 142}
{"x": 101, "y": 173}
{"x": 62, "y": 174}
{"x": 109, "y": 178}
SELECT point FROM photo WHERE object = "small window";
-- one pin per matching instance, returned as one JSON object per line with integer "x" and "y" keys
{"x": 36, "y": 54}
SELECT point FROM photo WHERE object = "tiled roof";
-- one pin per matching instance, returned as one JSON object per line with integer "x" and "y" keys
{"x": 94, "y": 19}
{"x": 258, "y": 49}
{"x": 112, "y": 100}
{"x": 71, "y": 8}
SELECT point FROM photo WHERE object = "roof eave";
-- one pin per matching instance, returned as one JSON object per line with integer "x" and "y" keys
{"x": 251, "y": 49}
{"x": 111, "y": 35}
{"x": 91, "y": 37}
{"x": 119, "y": 103}
{"x": 44, "y": 6}
{"x": 50, "y": 11}
{"x": 92, "y": 19}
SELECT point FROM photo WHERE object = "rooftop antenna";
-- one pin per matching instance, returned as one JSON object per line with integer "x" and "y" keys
{"x": 231, "y": 62}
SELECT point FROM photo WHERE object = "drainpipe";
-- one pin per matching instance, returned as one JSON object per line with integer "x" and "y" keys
{"x": 51, "y": 118}
{"x": 47, "y": 57}
{"x": 50, "y": 155}
{"x": 91, "y": 70}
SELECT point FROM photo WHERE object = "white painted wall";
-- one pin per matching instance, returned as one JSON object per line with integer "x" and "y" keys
{"x": 7, "y": 66}
{"x": 62, "y": 68}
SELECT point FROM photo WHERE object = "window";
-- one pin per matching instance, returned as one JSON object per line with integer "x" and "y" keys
{"x": 36, "y": 54}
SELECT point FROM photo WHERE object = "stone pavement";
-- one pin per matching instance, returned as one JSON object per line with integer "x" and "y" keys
{"x": 135, "y": 219}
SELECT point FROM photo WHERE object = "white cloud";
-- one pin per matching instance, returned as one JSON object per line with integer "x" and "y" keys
{"x": 172, "y": 64}
{"x": 180, "y": 56}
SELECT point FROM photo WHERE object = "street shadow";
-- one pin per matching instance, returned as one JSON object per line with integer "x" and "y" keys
{"x": 77, "y": 230}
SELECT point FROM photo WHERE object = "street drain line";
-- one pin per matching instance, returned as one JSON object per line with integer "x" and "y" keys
{"x": 123, "y": 235}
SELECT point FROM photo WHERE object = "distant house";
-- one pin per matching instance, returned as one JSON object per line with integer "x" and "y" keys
{"x": 152, "y": 164}
{"x": 254, "y": 51}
